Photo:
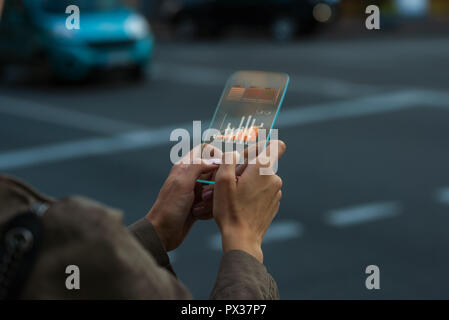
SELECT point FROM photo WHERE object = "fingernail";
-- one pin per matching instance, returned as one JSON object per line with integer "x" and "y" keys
{"x": 212, "y": 161}
{"x": 207, "y": 194}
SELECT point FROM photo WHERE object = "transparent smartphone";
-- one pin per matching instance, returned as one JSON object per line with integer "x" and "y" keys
{"x": 247, "y": 110}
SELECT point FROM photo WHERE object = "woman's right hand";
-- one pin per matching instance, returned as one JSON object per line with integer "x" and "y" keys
{"x": 245, "y": 207}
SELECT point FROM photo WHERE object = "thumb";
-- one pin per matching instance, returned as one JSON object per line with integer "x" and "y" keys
{"x": 191, "y": 172}
{"x": 225, "y": 176}
{"x": 191, "y": 166}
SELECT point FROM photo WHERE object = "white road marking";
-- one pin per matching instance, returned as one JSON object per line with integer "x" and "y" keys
{"x": 83, "y": 148}
{"x": 436, "y": 98}
{"x": 207, "y": 76}
{"x": 278, "y": 231}
{"x": 442, "y": 196}
{"x": 353, "y": 108}
{"x": 362, "y": 213}
{"x": 294, "y": 116}
{"x": 65, "y": 117}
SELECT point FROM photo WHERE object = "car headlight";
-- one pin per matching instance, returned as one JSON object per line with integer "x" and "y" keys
{"x": 137, "y": 27}
{"x": 61, "y": 32}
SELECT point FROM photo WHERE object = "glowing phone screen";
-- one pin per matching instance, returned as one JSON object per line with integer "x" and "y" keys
{"x": 247, "y": 110}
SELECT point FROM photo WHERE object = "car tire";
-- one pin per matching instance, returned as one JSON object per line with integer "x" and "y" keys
{"x": 43, "y": 69}
{"x": 284, "y": 28}
{"x": 137, "y": 74}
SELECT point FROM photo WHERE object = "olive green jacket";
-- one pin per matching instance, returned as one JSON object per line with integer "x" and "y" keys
{"x": 115, "y": 262}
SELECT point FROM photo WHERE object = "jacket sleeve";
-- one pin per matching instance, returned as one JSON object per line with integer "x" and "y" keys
{"x": 241, "y": 276}
{"x": 145, "y": 233}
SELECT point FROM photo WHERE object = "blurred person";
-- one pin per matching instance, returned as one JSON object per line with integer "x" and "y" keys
{"x": 42, "y": 237}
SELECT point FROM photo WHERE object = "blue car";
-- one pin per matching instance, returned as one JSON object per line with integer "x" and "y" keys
{"x": 110, "y": 36}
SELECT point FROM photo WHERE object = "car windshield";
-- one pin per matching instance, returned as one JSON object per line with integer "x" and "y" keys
{"x": 84, "y": 5}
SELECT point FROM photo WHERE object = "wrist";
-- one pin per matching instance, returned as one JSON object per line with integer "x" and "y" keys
{"x": 242, "y": 239}
{"x": 155, "y": 220}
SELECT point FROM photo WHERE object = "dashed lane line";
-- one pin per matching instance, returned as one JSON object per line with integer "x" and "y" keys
{"x": 362, "y": 213}
{"x": 278, "y": 231}
{"x": 442, "y": 196}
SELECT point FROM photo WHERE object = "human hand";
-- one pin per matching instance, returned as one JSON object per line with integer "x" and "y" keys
{"x": 182, "y": 200}
{"x": 245, "y": 207}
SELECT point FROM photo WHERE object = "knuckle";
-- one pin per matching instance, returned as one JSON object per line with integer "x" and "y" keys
{"x": 282, "y": 146}
{"x": 177, "y": 182}
{"x": 277, "y": 182}
{"x": 177, "y": 167}
{"x": 224, "y": 178}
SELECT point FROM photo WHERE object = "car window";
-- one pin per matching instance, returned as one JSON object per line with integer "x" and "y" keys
{"x": 59, "y": 6}
{"x": 14, "y": 11}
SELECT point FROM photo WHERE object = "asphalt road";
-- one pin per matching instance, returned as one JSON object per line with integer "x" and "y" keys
{"x": 366, "y": 173}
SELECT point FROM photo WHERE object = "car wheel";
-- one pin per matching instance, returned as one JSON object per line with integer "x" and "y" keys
{"x": 186, "y": 28}
{"x": 137, "y": 73}
{"x": 284, "y": 28}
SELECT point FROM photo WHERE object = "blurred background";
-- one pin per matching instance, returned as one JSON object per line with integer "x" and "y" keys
{"x": 366, "y": 122}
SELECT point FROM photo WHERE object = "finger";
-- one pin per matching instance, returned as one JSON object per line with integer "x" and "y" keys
{"x": 250, "y": 155}
{"x": 203, "y": 211}
{"x": 274, "y": 151}
{"x": 199, "y": 188}
{"x": 207, "y": 216}
{"x": 195, "y": 156}
{"x": 208, "y": 186}
{"x": 192, "y": 166}
{"x": 207, "y": 177}
{"x": 207, "y": 195}
{"x": 251, "y": 152}
{"x": 276, "y": 209}
{"x": 225, "y": 176}
{"x": 240, "y": 169}
{"x": 269, "y": 156}
{"x": 279, "y": 195}
{"x": 212, "y": 153}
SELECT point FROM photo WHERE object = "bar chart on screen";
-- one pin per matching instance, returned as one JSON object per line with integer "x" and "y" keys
{"x": 245, "y": 132}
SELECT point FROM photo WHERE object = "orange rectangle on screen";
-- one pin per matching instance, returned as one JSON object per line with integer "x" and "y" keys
{"x": 236, "y": 93}
{"x": 252, "y": 93}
